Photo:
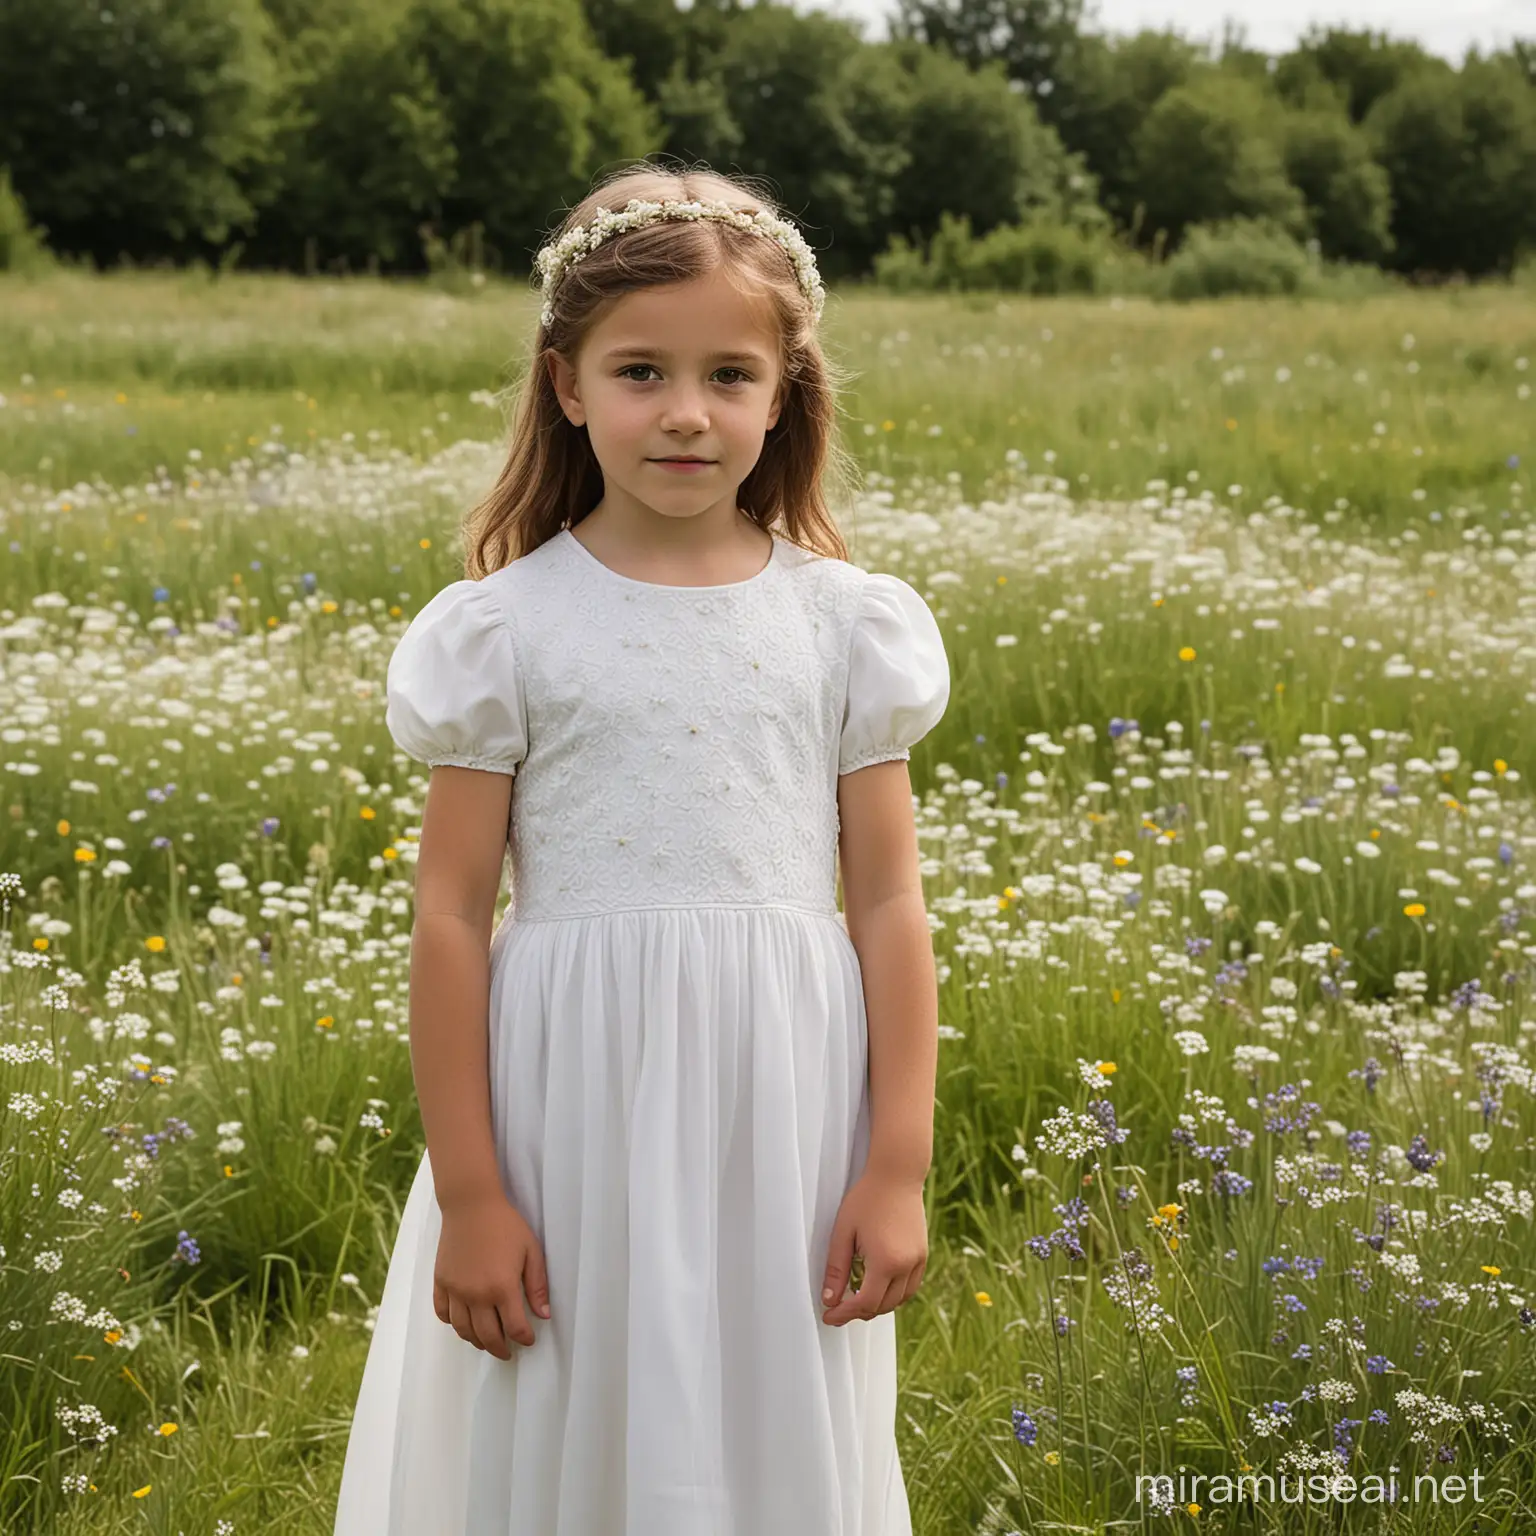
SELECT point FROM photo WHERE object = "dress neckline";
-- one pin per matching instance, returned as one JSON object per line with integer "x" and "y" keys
{"x": 662, "y": 586}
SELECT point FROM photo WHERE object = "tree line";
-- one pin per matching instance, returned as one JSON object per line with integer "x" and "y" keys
{"x": 346, "y": 135}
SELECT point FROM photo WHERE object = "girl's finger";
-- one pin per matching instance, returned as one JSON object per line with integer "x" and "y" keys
{"x": 894, "y": 1294}
{"x": 487, "y": 1323}
{"x": 871, "y": 1294}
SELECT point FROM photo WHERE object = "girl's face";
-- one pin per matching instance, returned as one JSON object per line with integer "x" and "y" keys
{"x": 684, "y": 370}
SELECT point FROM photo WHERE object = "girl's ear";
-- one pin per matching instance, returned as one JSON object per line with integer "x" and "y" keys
{"x": 563, "y": 377}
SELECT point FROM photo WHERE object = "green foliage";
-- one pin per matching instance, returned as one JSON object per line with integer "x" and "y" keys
{"x": 814, "y": 113}
{"x": 1030, "y": 39}
{"x": 364, "y": 148}
{"x": 1352, "y": 69}
{"x": 978, "y": 150}
{"x": 1210, "y": 150}
{"x": 651, "y": 34}
{"x": 1036, "y": 256}
{"x": 21, "y": 246}
{"x": 346, "y": 134}
{"x": 531, "y": 108}
{"x": 1249, "y": 256}
{"x": 1098, "y": 101}
{"x": 138, "y": 129}
{"x": 1460, "y": 151}
{"x": 1348, "y": 195}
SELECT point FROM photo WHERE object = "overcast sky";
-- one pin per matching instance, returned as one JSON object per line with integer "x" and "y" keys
{"x": 1275, "y": 25}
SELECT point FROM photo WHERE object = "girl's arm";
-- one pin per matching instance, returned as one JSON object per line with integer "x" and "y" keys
{"x": 888, "y": 923}
{"x": 458, "y": 873}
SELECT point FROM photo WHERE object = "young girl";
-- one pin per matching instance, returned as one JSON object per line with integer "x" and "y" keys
{"x": 678, "y": 1096}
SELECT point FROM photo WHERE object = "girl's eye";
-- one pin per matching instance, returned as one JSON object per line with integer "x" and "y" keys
{"x": 742, "y": 375}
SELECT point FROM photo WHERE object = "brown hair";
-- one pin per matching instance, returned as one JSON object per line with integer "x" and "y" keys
{"x": 551, "y": 478}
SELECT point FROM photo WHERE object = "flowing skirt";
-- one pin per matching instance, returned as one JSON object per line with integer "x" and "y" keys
{"x": 680, "y": 1101}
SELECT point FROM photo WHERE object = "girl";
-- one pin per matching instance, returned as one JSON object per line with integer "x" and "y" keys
{"x": 619, "y": 1300}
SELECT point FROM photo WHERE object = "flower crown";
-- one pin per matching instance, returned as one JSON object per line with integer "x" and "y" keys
{"x": 558, "y": 257}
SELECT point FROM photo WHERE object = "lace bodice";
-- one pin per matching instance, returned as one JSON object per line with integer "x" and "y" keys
{"x": 671, "y": 746}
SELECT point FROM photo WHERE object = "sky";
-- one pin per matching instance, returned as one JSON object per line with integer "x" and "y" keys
{"x": 1274, "y": 26}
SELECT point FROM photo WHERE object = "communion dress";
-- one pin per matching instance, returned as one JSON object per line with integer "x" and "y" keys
{"x": 677, "y": 1051}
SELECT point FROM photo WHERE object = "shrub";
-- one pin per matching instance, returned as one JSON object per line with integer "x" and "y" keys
{"x": 1039, "y": 256}
{"x": 1251, "y": 256}
{"x": 21, "y": 246}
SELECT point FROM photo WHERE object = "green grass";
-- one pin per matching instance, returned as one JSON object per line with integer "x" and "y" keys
{"x": 1105, "y": 394}
{"x": 1286, "y": 875}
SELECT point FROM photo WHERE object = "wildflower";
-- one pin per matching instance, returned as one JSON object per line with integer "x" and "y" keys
{"x": 1104, "y": 1112}
{"x": 983, "y": 1298}
{"x": 1052, "y": 1458}
{"x": 1024, "y": 1428}
{"x": 1370, "y": 1073}
{"x": 1071, "y": 1135}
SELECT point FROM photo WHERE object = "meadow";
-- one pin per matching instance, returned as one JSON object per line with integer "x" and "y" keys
{"x": 1228, "y": 847}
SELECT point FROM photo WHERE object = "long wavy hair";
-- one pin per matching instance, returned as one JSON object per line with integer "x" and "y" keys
{"x": 551, "y": 478}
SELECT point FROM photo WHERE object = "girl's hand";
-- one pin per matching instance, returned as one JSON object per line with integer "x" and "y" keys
{"x": 884, "y": 1221}
{"x": 486, "y": 1255}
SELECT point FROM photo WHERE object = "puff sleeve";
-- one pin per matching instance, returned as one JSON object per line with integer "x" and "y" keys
{"x": 898, "y": 675}
{"x": 454, "y": 690}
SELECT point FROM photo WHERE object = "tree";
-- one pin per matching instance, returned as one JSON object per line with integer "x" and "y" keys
{"x": 1031, "y": 38}
{"x": 1348, "y": 195}
{"x": 1356, "y": 68}
{"x": 648, "y": 34}
{"x": 1103, "y": 95}
{"x": 138, "y": 129}
{"x": 1211, "y": 150}
{"x": 978, "y": 150}
{"x": 364, "y": 147}
{"x": 532, "y": 109}
{"x": 1460, "y": 151}
{"x": 814, "y": 112}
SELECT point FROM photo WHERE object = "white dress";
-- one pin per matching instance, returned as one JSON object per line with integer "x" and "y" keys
{"x": 678, "y": 1058}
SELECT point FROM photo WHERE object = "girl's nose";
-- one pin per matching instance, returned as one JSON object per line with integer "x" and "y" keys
{"x": 685, "y": 410}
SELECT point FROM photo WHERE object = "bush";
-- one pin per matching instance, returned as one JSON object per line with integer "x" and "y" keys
{"x": 21, "y": 246}
{"x": 1252, "y": 256}
{"x": 1038, "y": 256}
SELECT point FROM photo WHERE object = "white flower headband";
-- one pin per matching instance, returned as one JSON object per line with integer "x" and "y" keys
{"x": 558, "y": 257}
